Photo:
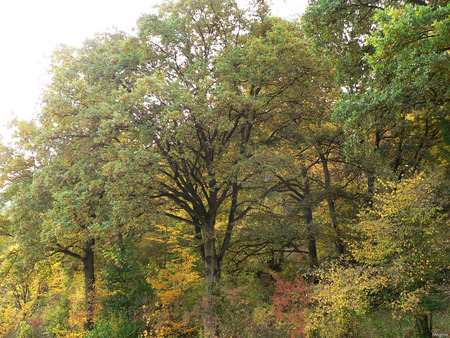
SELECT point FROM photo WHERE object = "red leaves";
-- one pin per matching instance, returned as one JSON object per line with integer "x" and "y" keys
{"x": 290, "y": 300}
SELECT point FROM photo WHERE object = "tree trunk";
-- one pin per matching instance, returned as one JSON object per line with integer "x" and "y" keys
{"x": 89, "y": 282}
{"x": 212, "y": 275}
{"x": 311, "y": 243}
{"x": 334, "y": 223}
{"x": 371, "y": 177}
{"x": 331, "y": 204}
{"x": 312, "y": 250}
{"x": 423, "y": 327}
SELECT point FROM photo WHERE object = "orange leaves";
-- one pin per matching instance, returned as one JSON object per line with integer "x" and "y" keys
{"x": 175, "y": 279}
{"x": 171, "y": 285}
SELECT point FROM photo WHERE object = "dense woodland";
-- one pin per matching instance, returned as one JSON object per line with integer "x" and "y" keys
{"x": 224, "y": 172}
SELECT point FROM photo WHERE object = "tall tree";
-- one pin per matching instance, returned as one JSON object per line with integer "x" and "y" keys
{"x": 64, "y": 188}
{"x": 218, "y": 77}
{"x": 97, "y": 194}
{"x": 408, "y": 100}
{"x": 388, "y": 57}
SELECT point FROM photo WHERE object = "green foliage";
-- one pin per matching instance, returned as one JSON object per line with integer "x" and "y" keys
{"x": 227, "y": 123}
{"x": 338, "y": 30}
{"x": 25, "y": 331}
{"x": 412, "y": 44}
{"x": 383, "y": 324}
{"x": 125, "y": 282}
{"x": 115, "y": 327}
{"x": 245, "y": 309}
{"x": 405, "y": 99}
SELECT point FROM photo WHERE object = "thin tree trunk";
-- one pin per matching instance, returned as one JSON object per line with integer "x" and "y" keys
{"x": 311, "y": 242}
{"x": 89, "y": 282}
{"x": 331, "y": 204}
{"x": 371, "y": 172}
{"x": 423, "y": 328}
{"x": 89, "y": 277}
{"x": 334, "y": 223}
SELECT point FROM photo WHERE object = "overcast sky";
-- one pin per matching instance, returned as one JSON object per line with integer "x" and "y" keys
{"x": 31, "y": 29}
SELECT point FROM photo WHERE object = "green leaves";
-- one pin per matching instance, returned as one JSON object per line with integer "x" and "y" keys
{"x": 401, "y": 109}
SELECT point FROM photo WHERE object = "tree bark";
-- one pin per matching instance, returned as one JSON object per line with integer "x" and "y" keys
{"x": 89, "y": 282}
{"x": 331, "y": 204}
{"x": 371, "y": 177}
{"x": 311, "y": 242}
{"x": 423, "y": 327}
{"x": 212, "y": 275}
{"x": 89, "y": 277}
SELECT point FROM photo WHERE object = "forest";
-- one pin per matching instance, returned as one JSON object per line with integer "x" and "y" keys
{"x": 224, "y": 172}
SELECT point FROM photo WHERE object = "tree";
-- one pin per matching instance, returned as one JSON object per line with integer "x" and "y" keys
{"x": 400, "y": 253}
{"x": 215, "y": 82}
{"x": 340, "y": 30}
{"x": 171, "y": 285}
{"x": 408, "y": 98}
{"x": 320, "y": 175}
{"x": 404, "y": 233}
{"x": 180, "y": 115}
{"x": 97, "y": 199}
{"x": 394, "y": 108}
{"x": 64, "y": 198}
{"x": 319, "y": 181}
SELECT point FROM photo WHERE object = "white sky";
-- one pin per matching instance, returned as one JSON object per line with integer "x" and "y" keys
{"x": 31, "y": 29}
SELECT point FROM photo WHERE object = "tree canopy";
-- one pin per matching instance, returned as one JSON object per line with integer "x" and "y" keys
{"x": 224, "y": 172}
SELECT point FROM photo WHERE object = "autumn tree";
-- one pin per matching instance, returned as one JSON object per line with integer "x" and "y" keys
{"x": 214, "y": 85}
{"x": 319, "y": 180}
{"x": 408, "y": 98}
{"x": 388, "y": 57}
{"x": 180, "y": 115}
{"x": 405, "y": 232}
{"x": 226, "y": 123}
{"x": 400, "y": 255}
{"x": 63, "y": 197}
{"x": 100, "y": 199}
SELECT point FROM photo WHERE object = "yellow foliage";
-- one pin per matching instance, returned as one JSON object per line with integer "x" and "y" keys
{"x": 65, "y": 333}
{"x": 170, "y": 285}
{"x": 8, "y": 318}
{"x": 404, "y": 226}
{"x": 399, "y": 247}
{"x": 77, "y": 302}
{"x": 342, "y": 296}
{"x": 176, "y": 278}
